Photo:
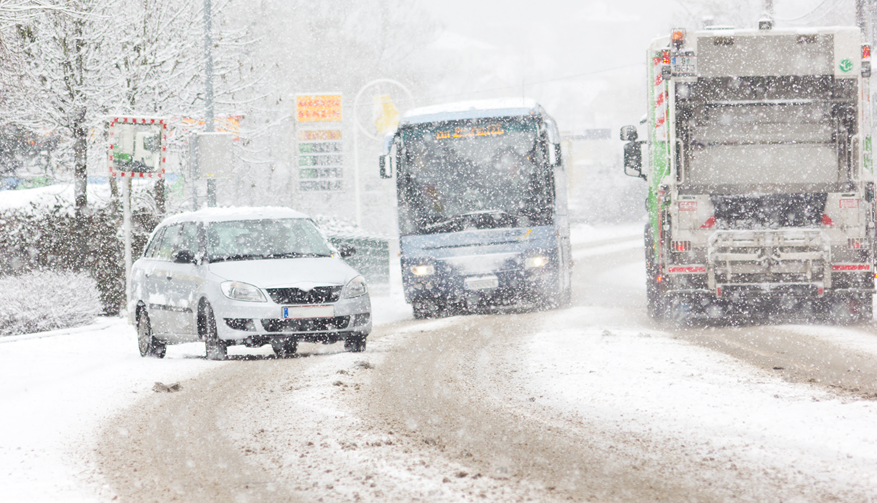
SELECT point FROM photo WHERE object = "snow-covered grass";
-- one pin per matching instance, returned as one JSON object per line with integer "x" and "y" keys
{"x": 41, "y": 301}
{"x": 48, "y": 196}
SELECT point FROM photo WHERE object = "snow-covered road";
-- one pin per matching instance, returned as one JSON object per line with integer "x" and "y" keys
{"x": 591, "y": 402}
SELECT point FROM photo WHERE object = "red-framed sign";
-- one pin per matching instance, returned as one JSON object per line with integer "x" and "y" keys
{"x": 138, "y": 147}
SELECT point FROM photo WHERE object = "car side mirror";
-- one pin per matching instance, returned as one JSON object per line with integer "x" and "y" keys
{"x": 386, "y": 163}
{"x": 628, "y": 133}
{"x": 633, "y": 159}
{"x": 346, "y": 251}
{"x": 183, "y": 257}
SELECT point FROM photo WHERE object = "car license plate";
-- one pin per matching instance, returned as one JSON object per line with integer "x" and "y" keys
{"x": 480, "y": 283}
{"x": 299, "y": 312}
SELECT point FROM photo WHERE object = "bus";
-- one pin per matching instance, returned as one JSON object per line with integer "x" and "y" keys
{"x": 482, "y": 207}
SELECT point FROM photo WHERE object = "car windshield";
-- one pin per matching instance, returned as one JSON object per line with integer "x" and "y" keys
{"x": 264, "y": 239}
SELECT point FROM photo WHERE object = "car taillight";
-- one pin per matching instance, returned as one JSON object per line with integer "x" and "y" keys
{"x": 681, "y": 246}
{"x": 856, "y": 243}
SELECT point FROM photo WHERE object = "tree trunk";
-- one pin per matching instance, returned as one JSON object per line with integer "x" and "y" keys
{"x": 160, "y": 197}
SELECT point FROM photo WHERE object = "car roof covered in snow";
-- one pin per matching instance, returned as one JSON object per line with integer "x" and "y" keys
{"x": 230, "y": 214}
{"x": 482, "y": 109}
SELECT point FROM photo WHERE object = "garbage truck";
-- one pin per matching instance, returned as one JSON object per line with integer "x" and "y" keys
{"x": 759, "y": 171}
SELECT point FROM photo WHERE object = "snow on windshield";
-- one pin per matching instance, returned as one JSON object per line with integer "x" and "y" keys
{"x": 460, "y": 168}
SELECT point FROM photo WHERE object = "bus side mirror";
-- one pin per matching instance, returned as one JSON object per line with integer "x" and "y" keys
{"x": 633, "y": 159}
{"x": 554, "y": 158}
{"x": 386, "y": 163}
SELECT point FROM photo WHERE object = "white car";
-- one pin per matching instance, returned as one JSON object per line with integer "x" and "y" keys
{"x": 246, "y": 276}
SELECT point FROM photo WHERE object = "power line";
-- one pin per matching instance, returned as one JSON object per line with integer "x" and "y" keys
{"x": 814, "y": 11}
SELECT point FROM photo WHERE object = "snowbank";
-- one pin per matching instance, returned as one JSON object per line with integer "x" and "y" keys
{"x": 41, "y": 301}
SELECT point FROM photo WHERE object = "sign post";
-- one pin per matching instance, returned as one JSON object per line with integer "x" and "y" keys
{"x": 137, "y": 149}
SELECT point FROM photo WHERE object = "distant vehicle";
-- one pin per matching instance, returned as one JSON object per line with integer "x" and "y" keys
{"x": 246, "y": 276}
{"x": 482, "y": 201}
{"x": 760, "y": 173}
{"x": 137, "y": 150}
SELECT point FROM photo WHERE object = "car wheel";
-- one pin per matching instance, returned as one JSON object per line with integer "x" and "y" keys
{"x": 355, "y": 343}
{"x": 148, "y": 344}
{"x": 284, "y": 348}
{"x": 215, "y": 347}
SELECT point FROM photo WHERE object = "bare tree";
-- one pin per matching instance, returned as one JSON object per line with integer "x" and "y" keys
{"x": 68, "y": 64}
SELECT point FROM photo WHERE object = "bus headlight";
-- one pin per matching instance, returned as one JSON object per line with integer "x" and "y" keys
{"x": 535, "y": 262}
{"x": 422, "y": 270}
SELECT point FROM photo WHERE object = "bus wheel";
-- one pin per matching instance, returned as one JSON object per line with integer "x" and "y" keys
{"x": 425, "y": 310}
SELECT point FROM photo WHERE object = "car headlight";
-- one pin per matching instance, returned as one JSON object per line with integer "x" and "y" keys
{"x": 422, "y": 270}
{"x": 236, "y": 290}
{"x": 355, "y": 288}
{"x": 534, "y": 262}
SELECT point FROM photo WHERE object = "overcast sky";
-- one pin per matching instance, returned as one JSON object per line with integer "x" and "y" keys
{"x": 552, "y": 39}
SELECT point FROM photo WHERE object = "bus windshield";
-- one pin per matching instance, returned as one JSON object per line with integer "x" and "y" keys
{"x": 473, "y": 174}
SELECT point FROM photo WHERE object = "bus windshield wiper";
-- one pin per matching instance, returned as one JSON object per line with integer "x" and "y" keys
{"x": 487, "y": 219}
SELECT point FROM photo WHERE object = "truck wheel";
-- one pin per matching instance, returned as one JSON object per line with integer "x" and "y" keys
{"x": 849, "y": 309}
{"x": 654, "y": 303}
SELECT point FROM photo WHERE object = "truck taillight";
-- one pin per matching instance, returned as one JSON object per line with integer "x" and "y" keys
{"x": 681, "y": 246}
{"x": 665, "y": 57}
{"x": 856, "y": 243}
{"x": 677, "y": 38}
{"x": 866, "y": 51}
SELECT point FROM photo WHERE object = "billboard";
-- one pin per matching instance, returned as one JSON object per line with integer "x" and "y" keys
{"x": 184, "y": 127}
{"x": 137, "y": 147}
{"x": 318, "y": 107}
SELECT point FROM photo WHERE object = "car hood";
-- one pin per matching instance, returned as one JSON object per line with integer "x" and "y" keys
{"x": 304, "y": 273}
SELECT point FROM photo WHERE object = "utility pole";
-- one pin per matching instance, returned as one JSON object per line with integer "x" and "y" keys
{"x": 768, "y": 7}
{"x": 208, "y": 91}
